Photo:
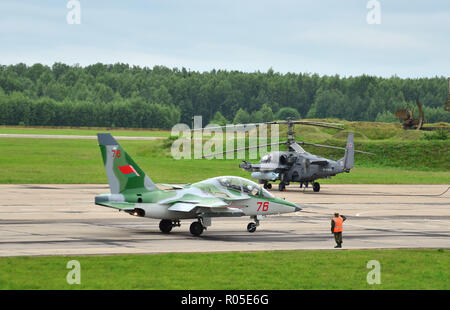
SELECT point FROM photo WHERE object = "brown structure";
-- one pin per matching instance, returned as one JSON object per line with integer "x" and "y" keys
{"x": 409, "y": 122}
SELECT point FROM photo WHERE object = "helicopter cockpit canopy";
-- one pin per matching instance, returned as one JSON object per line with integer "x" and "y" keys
{"x": 266, "y": 159}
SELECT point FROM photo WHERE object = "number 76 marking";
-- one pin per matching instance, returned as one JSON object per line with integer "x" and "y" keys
{"x": 265, "y": 206}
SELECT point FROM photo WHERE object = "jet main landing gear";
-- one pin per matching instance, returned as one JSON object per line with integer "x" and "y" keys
{"x": 198, "y": 227}
{"x": 166, "y": 225}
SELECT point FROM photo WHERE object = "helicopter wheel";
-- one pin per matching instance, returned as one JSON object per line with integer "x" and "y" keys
{"x": 316, "y": 186}
{"x": 281, "y": 187}
{"x": 267, "y": 185}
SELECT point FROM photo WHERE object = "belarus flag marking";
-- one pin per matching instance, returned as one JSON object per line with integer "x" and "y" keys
{"x": 129, "y": 171}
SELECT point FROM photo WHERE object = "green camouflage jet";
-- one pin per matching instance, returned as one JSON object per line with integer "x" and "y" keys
{"x": 132, "y": 191}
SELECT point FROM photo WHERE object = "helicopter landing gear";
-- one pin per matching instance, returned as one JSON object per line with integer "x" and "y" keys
{"x": 316, "y": 187}
{"x": 267, "y": 185}
{"x": 282, "y": 187}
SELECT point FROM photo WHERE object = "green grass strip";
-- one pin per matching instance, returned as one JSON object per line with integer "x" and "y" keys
{"x": 404, "y": 269}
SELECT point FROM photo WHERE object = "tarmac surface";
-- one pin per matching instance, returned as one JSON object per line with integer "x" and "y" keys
{"x": 63, "y": 220}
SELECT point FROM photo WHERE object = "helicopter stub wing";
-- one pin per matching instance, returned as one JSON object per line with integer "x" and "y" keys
{"x": 262, "y": 167}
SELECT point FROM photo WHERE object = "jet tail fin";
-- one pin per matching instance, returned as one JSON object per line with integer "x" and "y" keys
{"x": 123, "y": 173}
{"x": 349, "y": 157}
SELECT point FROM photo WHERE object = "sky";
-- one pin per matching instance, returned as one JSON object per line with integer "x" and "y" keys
{"x": 328, "y": 37}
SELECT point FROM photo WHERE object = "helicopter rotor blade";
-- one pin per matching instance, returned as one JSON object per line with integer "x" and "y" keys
{"x": 333, "y": 147}
{"x": 308, "y": 123}
{"x": 297, "y": 148}
{"x": 243, "y": 126}
{"x": 320, "y": 124}
{"x": 229, "y": 126}
{"x": 244, "y": 149}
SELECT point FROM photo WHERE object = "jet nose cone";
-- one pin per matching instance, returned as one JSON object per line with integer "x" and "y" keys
{"x": 297, "y": 208}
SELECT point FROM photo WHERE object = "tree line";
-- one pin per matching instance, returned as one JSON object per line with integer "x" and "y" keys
{"x": 131, "y": 96}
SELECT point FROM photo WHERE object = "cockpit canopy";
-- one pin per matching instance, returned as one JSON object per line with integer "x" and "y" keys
{"x": 266, "y": 159}
{"x": 242, "y": 185}
{"x": 279, "y": 158}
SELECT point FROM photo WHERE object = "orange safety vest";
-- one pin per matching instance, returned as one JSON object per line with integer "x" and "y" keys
{"x": 338, "y": 224}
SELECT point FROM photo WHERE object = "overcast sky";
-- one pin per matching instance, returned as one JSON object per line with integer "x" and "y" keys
{"x": 326, "y": 37}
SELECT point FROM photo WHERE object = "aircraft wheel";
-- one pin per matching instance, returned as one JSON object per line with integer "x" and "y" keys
{"x": 196, "y": 228}
{"x": 281, "y": 187}
{"x": 165, "y": 226}
{"x": 316, "y": 186}
{"x": 269, "y": 186}
{"x": 251, "y": 227}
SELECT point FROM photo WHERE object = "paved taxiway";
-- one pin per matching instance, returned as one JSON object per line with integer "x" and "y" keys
{"x": 62, "y": 219}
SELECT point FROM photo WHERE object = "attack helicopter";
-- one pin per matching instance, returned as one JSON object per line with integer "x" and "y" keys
{"x": 297, "y": 165}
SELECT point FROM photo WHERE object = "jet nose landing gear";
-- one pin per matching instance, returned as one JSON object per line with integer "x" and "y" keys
{"x": 251, "y": 227}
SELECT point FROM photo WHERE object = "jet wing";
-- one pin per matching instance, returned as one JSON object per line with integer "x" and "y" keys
{"x": 216, "y": 209}
{"x": 183, "y": 207}
{"x": 189, "y": 205}
{"x": 122, "y": 206}
{"x": 172, "y": 186}
{"x": 223, "y": 212}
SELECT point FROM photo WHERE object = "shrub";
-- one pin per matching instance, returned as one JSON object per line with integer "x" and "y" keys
{"x": 440, "y": 134}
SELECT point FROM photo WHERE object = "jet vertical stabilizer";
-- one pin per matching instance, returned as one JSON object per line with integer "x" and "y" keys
{"x": 123, "y": 173}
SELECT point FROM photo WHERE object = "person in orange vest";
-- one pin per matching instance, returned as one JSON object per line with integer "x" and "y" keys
{"x": 337, "y": 228}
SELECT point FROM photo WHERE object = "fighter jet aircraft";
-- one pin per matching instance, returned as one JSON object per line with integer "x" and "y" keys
{"x": 133, "y": 191}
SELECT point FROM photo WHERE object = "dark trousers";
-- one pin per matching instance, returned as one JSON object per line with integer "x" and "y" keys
{"x": 338, "y": 237}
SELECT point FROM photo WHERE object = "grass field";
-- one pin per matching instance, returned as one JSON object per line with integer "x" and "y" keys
{"x": 79, "y": 161}
{"x": 402, "y": 157}
{"x": 83, "y": 131}
{"x": 292, "y": 270}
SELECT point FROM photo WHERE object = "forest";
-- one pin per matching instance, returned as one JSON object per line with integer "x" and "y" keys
{"x": 120, "y": 95}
